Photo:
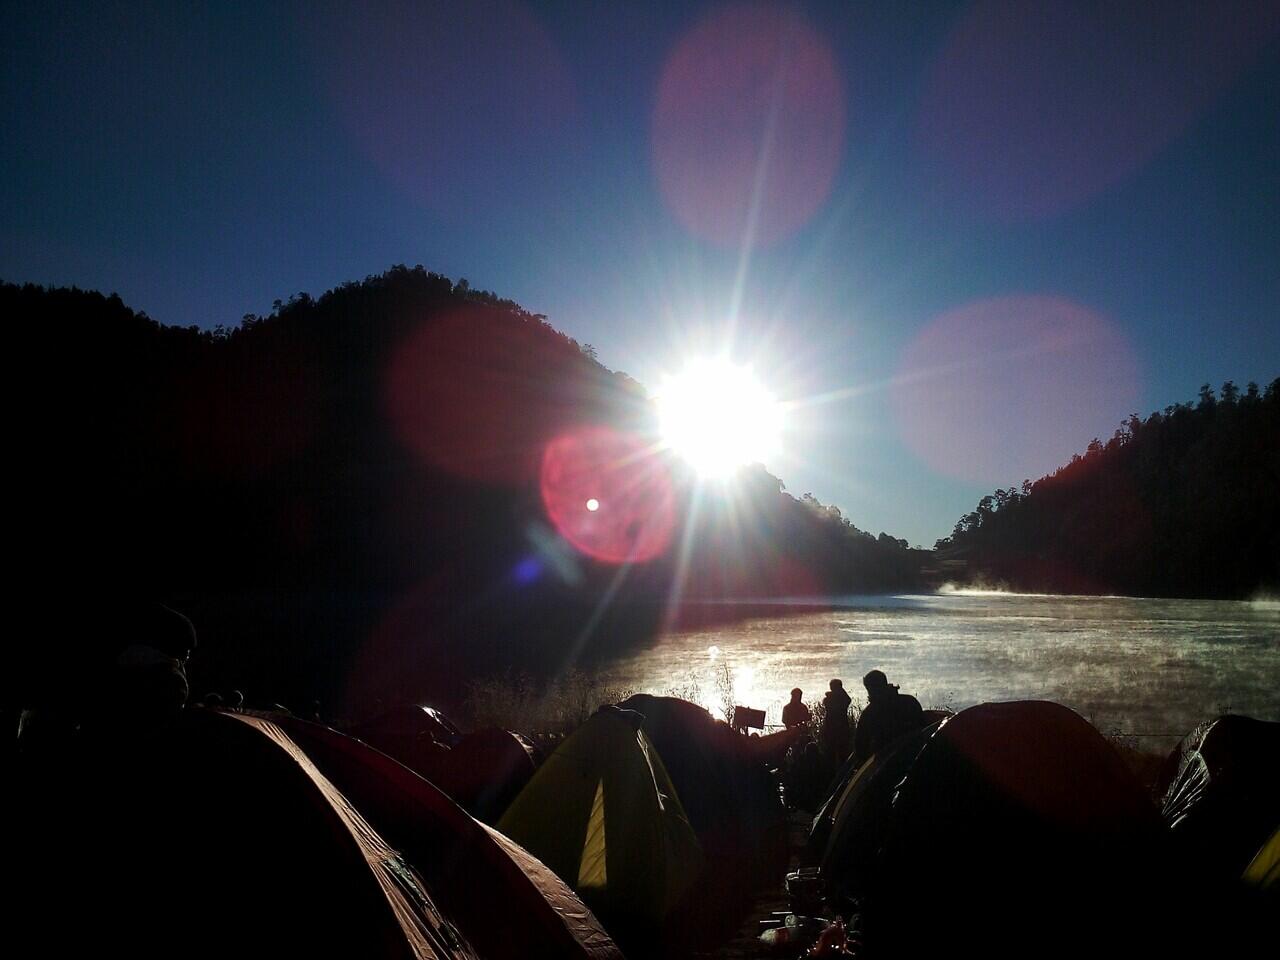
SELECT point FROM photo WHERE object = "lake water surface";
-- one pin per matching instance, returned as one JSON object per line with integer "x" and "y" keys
{"x": 1150, "y": 669}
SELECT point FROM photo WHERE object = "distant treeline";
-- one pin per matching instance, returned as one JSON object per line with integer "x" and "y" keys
{"x": 344, "y": 494}
{"x": 1185, "y": 503}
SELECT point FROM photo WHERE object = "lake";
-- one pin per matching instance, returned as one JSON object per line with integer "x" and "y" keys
{"x": 1144, "y": 668}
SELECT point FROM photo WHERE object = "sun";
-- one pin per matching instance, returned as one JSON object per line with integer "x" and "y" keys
{"x": 718, "y": 416}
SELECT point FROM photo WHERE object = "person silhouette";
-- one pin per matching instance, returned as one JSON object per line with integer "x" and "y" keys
{"x": 888, "y": 716}
{"x": 795, "y": 713}
{"x": 835, "y": 723}
{"x": 121, "y": 671}
{"x": 146, "y": 681}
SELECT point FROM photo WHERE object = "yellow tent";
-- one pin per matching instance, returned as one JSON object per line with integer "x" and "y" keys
{"x": 1264, "y": 871}
{"x": 602, "y": 813}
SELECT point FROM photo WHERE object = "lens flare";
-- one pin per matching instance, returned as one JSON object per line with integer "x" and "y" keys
{"x": 1001, "y": 390}
{"x": 634, "y": 512}
{"x": 484, "y": 415}
{"x": 1034, "y": 107}
{"x": 748, "y": 125}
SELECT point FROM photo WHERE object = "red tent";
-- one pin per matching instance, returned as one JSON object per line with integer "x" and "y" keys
{"x": 216, "y": 837}
{"x": 505, "y": 901}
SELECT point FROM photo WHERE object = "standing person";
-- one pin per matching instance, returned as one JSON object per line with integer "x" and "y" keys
{"x": 888, "y": 716}
{"x": 795, "y": 713}
{"x": 835, "y": 723}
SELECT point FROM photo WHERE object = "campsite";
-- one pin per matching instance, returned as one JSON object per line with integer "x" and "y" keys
{"x": 667, "y": 480}
{"x": 650, "y": 830}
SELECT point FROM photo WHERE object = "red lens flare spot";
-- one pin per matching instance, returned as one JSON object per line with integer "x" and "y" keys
{"x": 1035, "y": 106}
{"x": 634, "y": 505}
{"x": 750, "y": 109}
{"x": 477, "y": 393}
{"x": 1003, "y": 390}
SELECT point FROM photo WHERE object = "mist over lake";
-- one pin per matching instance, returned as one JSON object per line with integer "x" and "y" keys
{"x": 1147, "y": 668}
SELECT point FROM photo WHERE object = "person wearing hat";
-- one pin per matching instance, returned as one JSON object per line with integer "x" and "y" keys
{"x": 888, "y": 716}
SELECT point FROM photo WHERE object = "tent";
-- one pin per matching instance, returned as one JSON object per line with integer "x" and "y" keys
{"x": 414, "y": 735}
{"x": 1221, "y": 790}
{"x": 730, "y": 795}
{"x": 484, "y": 771}
{"x": 849, "y": 828}
{"x": 841, "y": 795}
{"x": 602, "y": 813}
{"x": 1263, "y": 871}
{"x": 506, "y": 902}
{"x": 219, "y": 837}
{"x": 1009, "y": 829}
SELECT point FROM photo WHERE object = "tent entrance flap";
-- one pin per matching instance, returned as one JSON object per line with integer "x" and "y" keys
{"x": 592, "y": 872}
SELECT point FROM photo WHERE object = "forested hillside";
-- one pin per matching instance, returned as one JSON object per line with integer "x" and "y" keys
{"x": 1185, "y": 503}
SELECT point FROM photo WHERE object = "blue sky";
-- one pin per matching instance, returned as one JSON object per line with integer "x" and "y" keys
{"x": 942, "y": 181}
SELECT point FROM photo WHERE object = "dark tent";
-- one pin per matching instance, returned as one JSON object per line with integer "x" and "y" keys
{"x": 507, "y": 903}
{"x": 1221, "y": 789}
{"x": 410, "y": 733}
{"x": 217, "y": 836}
{"x": 837, "y": 792}
{"x": 726, "y": 787}
{"x": 485, "y": 771}
{"x": 1015, "y": 829}
{"x": 850, "y": 826}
